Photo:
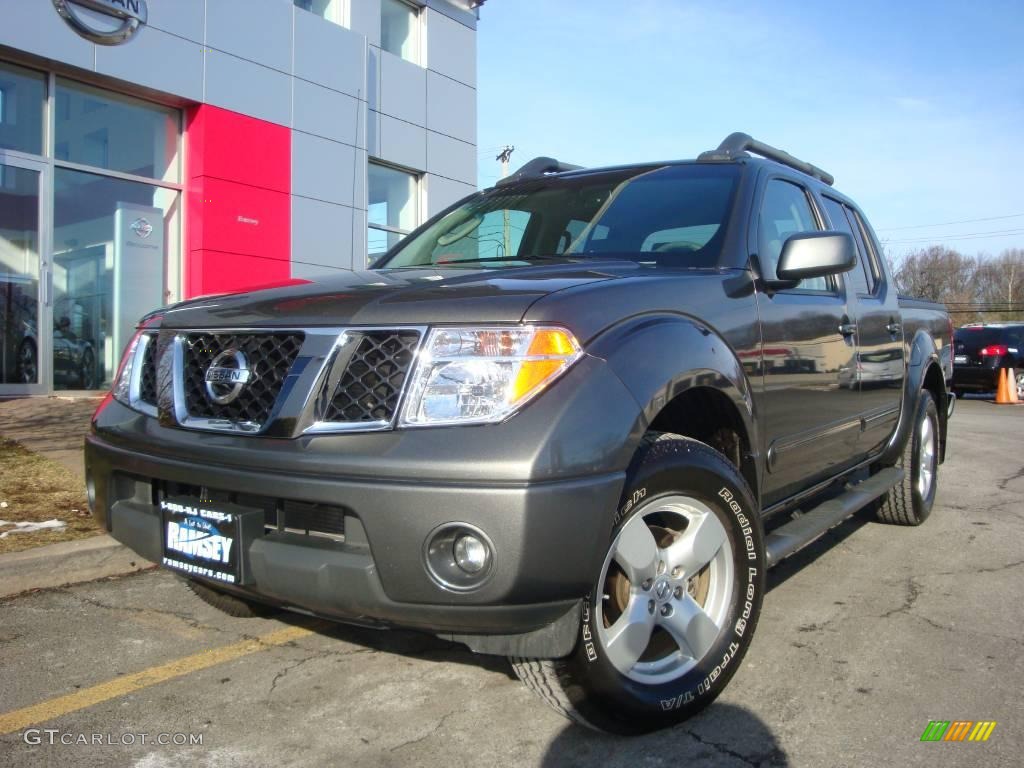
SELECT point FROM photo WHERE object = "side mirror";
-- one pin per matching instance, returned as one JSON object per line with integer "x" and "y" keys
{"x": 816, "y": 254}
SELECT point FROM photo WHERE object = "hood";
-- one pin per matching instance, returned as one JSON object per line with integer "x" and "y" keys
{"x": 394, "y": 297}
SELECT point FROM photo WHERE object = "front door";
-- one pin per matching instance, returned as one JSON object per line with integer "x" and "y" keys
{"x": 811, "y": 401}
{"x": 24, "y": 346}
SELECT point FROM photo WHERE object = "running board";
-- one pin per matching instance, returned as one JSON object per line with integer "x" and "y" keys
{"x": 794, "y": 536}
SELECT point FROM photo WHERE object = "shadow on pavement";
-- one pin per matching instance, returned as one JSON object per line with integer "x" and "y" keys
{"x": 724, "y": 734}
{"x": 418, "y": 645}
{"x": 809, "y": 554}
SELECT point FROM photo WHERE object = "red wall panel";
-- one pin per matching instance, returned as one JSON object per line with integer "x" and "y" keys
{"x": 231, "y": 146}
{"x": 238, "y": 202}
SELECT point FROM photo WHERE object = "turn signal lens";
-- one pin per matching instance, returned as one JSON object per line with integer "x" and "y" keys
{"x": 483, "y": 375}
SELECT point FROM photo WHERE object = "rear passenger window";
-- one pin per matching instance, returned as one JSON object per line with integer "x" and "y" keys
{"x": 838, "y": 216}
{"x": 785, "y": 211}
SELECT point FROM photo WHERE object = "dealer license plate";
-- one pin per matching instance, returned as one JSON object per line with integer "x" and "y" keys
{"x": 202, "y": 539}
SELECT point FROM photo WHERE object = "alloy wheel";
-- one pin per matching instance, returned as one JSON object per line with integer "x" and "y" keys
{"x": 666, "y": 584}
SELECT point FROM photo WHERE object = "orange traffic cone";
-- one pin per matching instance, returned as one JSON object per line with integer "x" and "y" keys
{"x": 1011, "y": 386}
{"x": 1003, "y": 390}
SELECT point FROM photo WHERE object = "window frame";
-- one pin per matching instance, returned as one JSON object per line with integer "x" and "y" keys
{"x": 417, "y": 194}
{"x": 833, "y": 286}
{"x": 872, "y": 247}
{"x": 416, "y": 11}
{"x": 342, "y": 16}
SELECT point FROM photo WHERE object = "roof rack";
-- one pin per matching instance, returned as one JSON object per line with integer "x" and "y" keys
{"x": 536, "y": 168}
{"x": 736, "y": 144}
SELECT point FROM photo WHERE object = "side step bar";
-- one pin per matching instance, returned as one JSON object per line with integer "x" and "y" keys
{"x": 794, "y": 536}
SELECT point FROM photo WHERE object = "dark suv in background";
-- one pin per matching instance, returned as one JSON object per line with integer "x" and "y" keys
{"x": 980, "y": 350}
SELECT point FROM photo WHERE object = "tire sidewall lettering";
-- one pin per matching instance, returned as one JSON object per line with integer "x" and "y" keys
{"x": 703, "y": 682}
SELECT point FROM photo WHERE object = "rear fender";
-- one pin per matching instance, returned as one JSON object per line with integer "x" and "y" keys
{"x": 923, "y": 355}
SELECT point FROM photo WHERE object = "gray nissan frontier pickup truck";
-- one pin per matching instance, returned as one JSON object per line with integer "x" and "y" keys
{"x": 572, "y": 420}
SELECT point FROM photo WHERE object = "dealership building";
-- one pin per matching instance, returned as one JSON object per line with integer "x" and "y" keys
{"x": 158, "y": 150}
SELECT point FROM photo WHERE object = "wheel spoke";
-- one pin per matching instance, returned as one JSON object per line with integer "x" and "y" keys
{"x": 636, "y": 551}
{"x": 698, "y": 544}
{"x": 692, "y": 629}
{"x": 628, "y": 637}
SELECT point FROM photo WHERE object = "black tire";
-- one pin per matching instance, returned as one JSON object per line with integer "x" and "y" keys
{"x": 28, "y": 363}
{"x": 586, "y": 686}
{"x": 87, "y": 370}
{"x": 905, "y": 504}
{"x": 229, "y": 604}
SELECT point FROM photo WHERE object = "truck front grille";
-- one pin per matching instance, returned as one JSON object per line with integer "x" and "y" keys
{"x": 147, "y": 381}
{"x": 373, "y": 379}
{"x": 269, "y": 357}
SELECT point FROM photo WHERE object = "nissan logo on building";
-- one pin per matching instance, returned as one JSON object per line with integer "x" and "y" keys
{"x": 83, "y": 16}
{"x": 227, "y": 376}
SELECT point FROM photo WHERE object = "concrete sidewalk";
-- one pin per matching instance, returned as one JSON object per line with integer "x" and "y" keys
{"x": 51, "y": 426}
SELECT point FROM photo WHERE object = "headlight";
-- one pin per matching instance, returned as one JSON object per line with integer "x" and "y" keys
{"x": 483, "y": 375}
{"x": 128, "y": 372}
{"x": 123, "y": 381}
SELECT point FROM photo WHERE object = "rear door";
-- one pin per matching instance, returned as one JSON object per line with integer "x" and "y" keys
{"x": 880, "y": 366}
{"x": 811, "y": 410}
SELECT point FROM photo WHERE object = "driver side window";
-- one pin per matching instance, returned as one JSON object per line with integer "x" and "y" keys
{"x": 785, "y": 211}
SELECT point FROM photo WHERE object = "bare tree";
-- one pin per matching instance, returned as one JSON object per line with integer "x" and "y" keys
{"x": 940, "y": 274}
{"x": 1001, "y": 285}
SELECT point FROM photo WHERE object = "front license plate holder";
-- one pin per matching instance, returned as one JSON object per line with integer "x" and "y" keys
{"x": 208, "y": 539}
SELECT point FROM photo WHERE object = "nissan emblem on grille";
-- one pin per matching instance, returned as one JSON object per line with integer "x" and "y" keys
{"x": 225, "y": 383}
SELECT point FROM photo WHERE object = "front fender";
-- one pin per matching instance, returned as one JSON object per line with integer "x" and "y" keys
{"x": 660, "y": 356}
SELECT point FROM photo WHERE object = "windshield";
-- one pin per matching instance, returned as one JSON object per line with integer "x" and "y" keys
{"x": 673, "y": 215}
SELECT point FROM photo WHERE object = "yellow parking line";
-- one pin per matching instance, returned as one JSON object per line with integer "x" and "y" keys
{"x": 18, "y": 719}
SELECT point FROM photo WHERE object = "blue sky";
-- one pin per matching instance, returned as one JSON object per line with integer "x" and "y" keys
{"x": 916, "y": 108}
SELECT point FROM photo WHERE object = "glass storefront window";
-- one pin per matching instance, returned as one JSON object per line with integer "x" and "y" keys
{"x": 19, "y": 275}
{"x": 393, "y": 207}
{"x": 105, "y": 130}
{"x": 399, "y": 29}
{"x": 22, "y": 96}
{"x": 329, "y": 9}
{"x": 111, "y": 241}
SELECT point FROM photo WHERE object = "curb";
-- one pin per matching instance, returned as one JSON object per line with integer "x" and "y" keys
{"x": 69, "y": 562}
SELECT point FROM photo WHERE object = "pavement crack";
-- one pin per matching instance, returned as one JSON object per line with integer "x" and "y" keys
{"x": 424, "y": 737}
{"x": 775, "y": 757}
{"x": 995, "y": 569}
{"x": 283, "y": 673}
{"x": 913, "y": 592}
{"x": 1010, "y": 478}
{"x": 188, "y": 619}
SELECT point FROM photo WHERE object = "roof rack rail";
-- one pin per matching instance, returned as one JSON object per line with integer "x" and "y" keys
{"x": 537, "y": 168}
{"x": 736, "y": 144}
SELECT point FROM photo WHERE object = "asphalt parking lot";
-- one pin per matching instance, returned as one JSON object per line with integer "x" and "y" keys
{"x": 865, "y": 637}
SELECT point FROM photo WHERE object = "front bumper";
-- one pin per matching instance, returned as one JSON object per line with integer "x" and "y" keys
{"x": 547, "y": 512}
{"x": 975, "y": 378}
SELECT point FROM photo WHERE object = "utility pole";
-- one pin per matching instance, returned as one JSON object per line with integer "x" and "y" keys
{"x": 503, "y": 157}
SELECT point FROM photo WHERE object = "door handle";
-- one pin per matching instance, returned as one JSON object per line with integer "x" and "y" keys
{"x": 847, "y": 329}
{"x": 894, "y": 328}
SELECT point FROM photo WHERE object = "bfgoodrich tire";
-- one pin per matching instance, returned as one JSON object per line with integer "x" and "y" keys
{"x": 675, "y": 604}
{"x": 910, "y": 502}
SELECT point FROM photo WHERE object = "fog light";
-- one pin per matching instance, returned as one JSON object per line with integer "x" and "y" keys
{"x": 470, "y": 553}
{"x": 458, "y": 556}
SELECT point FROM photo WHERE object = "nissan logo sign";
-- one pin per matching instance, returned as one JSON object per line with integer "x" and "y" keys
{"x": 126, "y": 17}
{"x": 224, "y": 383}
